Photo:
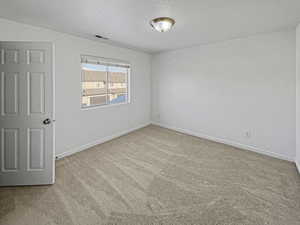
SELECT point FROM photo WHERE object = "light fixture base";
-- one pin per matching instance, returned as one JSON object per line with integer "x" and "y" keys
{"x": 162, "y": 24}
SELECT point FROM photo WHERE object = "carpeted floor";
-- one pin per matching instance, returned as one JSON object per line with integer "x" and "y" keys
{"x": 155, "y": 176}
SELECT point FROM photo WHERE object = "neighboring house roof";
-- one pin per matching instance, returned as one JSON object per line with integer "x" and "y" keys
{"x": 114, "y": 77}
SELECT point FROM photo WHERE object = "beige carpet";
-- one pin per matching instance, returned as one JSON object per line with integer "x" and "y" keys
{"x": 155, "y": 176}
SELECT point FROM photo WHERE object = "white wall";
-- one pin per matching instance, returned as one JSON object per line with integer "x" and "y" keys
{"x": 223, "y": 90}
{"x": 75, "y": 127}
{"x": 298, "y": 98}
{"x": 219, "y": 91}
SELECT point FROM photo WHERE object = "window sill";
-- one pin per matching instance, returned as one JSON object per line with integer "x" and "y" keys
{"x": 104, "y": 106}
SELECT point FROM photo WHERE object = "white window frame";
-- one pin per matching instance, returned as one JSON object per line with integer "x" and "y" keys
{"x": 105, "y": 61}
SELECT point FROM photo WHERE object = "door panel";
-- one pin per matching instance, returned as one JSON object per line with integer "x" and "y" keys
{"x": 10, "y": 98}
{"x": 36, "y": 148}
{"x": 36, "y": 93}
{"x": 27, "y": 149}
{"x": 10, "y": 149}
{"x": 9, "y": 56}
{"x": 35, "y": 56}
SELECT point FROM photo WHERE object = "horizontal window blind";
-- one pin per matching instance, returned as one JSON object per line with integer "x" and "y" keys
{"x": 103, "y": 61}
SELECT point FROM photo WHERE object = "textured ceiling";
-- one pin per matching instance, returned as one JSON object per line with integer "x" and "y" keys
{"x": 126, "y": 22}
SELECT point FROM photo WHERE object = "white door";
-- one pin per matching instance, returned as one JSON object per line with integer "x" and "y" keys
{"x": 26, "y": 141}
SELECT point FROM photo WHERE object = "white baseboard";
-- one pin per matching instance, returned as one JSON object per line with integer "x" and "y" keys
{"x": 227, "y": 142}
{"x": 298, "y": 166}
{"x": 100, "y": 141}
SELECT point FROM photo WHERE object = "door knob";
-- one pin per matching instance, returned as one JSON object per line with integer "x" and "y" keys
{"x": 47, "y": 121}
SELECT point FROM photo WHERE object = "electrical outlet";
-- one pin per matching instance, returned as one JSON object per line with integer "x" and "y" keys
{"x": 158, "y": 116}
{"x": 248, "y": 134}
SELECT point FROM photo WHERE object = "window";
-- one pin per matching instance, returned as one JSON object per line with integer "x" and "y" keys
{"x": 103, "y": 81}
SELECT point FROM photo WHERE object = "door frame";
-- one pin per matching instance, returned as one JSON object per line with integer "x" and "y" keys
{"x": 53, "y": 107}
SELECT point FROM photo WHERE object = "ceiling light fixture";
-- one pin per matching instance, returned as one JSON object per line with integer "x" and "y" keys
{"x": 162, "y": 24}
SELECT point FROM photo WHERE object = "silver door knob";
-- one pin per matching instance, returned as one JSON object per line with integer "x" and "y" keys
{"x": 47, "y": 121}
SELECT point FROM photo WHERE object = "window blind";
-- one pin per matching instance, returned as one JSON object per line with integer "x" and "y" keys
{"x": 103, "y": 61}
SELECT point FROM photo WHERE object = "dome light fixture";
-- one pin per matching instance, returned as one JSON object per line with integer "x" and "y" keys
{"x": 162, "y": 24}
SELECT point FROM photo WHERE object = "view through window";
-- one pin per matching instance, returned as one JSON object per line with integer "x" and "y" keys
{"x": 104, "y": 82}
